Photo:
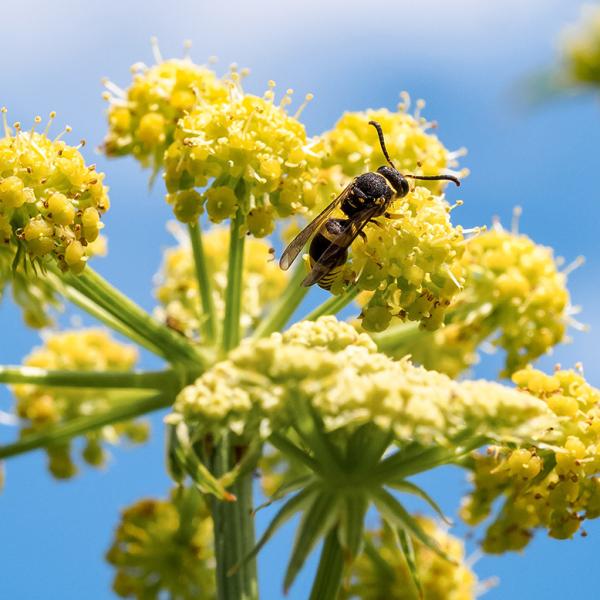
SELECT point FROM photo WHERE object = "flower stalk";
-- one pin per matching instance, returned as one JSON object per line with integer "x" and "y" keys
{"x": 333, "y": 305}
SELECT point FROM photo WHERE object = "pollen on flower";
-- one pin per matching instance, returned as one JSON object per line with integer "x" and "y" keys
{"x": 164, "y": 547}
{"x": 553, "y": 487}
{"x": 514, "y": 296}
{"x": 330, "y": 367}
{"x": 177, "y": 284}
{"x": 47, "y": 194}
{"x": 381, "y": 571}
{"x": 142, "y": 118}
{"x": 41, "y": 407}
{"x": 252, "y": 146}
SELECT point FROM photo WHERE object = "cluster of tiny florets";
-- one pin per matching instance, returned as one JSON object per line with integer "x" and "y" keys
{"x": 256, "y": 155}
{"x": 164, "y": 547}
{"x": 337, "y": 372}
{"x": 515, "y": 297}
{"x": 43, "y": 407}
{"x": 142, "y": 119}
{"x": 50, "y": 200}
{"x": 554, "y": 487}
{"x": 177, "y": 291}
{"x": 382, "y": 573}
{"x": 581, "y": 49}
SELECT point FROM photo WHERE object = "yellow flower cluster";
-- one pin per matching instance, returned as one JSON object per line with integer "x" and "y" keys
{"x": 44, "y": 407}
{"x": 177, "y": 292}
{"x": 514, "y": 296}
{"x": 554, "y": 487}
{"x": 50, "y": 200}
{"x": 257, "y": 155}
{"x": 164, "y": 548}
{"x": 381, "y": 571}
{"x": 353, "y": 145}
{"x": 143, "y": 118}
{"x": 581, "y": 48}
{"x": 336, "y": 371}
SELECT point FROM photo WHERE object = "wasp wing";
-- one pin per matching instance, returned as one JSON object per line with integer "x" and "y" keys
{"x": 295, "y": 246}
{"x": 328, "y": 260}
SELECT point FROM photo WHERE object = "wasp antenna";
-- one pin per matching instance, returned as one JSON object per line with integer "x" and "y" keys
{"x": 382, "y": 142}
{"x": 451, "y": 178}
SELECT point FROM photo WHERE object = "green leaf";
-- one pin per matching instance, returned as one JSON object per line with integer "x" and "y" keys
{"x": 318, "y": 519}
{"x": 285, "y": 446}
{"x": 410, "y": 488}
{"x": 408, "y": 551}
{"x": 397, "y": 516}
{"x": 328, "y": 579}
{"x": 366, "y": 446}
{"x": 352, "y": 524}
{"x": 286, "y": 512}
{"x": 246, "y": 465}
{"x": 286, "y": 488}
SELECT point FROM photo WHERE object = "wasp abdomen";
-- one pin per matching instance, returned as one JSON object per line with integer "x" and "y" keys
{"x": 327, "y": 235}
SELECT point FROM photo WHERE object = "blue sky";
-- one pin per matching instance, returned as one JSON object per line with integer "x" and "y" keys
{"x": 465, "y": 58}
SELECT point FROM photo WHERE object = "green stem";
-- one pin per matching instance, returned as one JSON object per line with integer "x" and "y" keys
{"x": 328, "y": 579}
{"x": 281, "y": 312}
{"x": 234, "y": 534}
{"x": 153, "y": 380}
{"x": 233, "y": 294}
{"x": 172, "y": 346}
{"x": 333, "y": 305}
{"x": 394, "y": 337}
{"x": 127, "y": 410}
{"x": 205, "y": 288}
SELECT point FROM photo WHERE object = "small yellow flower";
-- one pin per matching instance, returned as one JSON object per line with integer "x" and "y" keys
{"x": 381, "y": 571}
{"x": 50, "y": 200}
{"x": 248, "y": 145}
{"x": 581, "y": 48}
{"x": 553, "y": 487}
{"x": 142, "y": 119}
{"x": 164, "y": 547}
{"x": 42, "y": 407}
{"x": 177, "y": 291}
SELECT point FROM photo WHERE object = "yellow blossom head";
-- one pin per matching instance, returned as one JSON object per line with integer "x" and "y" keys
{"x": 164, "y": 547}
{"x": 581, "y": 48}
{"x": 256, "y": 155}
{"x": 43, "y": 407}
{"x": 142, "y": 119}
{"x": 50, "y": 200}
{"x": 552, "y": 486}
{"x": 177, "y": 291}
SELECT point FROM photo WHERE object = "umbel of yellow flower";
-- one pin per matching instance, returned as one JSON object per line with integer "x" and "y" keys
{"x": 43, "y": 407}
{"x": 50, "y": 200}
{"x": 581, "y": 48}
{"x": 514, "y": 296}
{"x": 257, "y": 156}
{"x": 336, "y": 371}
{"x": 177, "y": 291}
{"x": 164, "y": 547}
{"x": 142, "y": 118}
{"x": 554, "y": 487}
{"x": 381, "y": 572}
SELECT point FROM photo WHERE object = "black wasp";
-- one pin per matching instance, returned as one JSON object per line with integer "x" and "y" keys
{"x": 367, "y": 197}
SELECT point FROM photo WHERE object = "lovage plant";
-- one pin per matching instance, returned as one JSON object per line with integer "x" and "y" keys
{"x": 336, "y": 417}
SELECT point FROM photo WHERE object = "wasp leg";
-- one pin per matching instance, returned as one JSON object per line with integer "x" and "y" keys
{"x": 374, "y": 222}
{"x": 363, "y": 235}
{"x": 388, "y": 215}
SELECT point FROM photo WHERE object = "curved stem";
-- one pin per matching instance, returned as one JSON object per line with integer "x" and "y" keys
{"x": 333, "y": 305}
{"x": 126, "y": 410}
{"x": 209, "y": 322}
{"x": 233, "y": 294}
{"x": 394, "y": 337}
{"x": 328, "y": 579}
{"x": 153, "y": 380}
{"x": 280, "y": 313}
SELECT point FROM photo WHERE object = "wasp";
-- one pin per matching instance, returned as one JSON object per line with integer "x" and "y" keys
{"x": 365, "y": 198}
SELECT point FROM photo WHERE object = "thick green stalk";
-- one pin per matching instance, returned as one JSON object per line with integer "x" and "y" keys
{"x": 128, "y": 409}
{"x": 146, "y": 380}
{"x": 209, "y": 322}
{"x": 234, "y": 534}
{"x": 280, "y": 313}
{"x": 235, "y": 275}
{"x": 394, "y": 337}
{"x": 333, "y": 305}
{"x": 328, "y": 579}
